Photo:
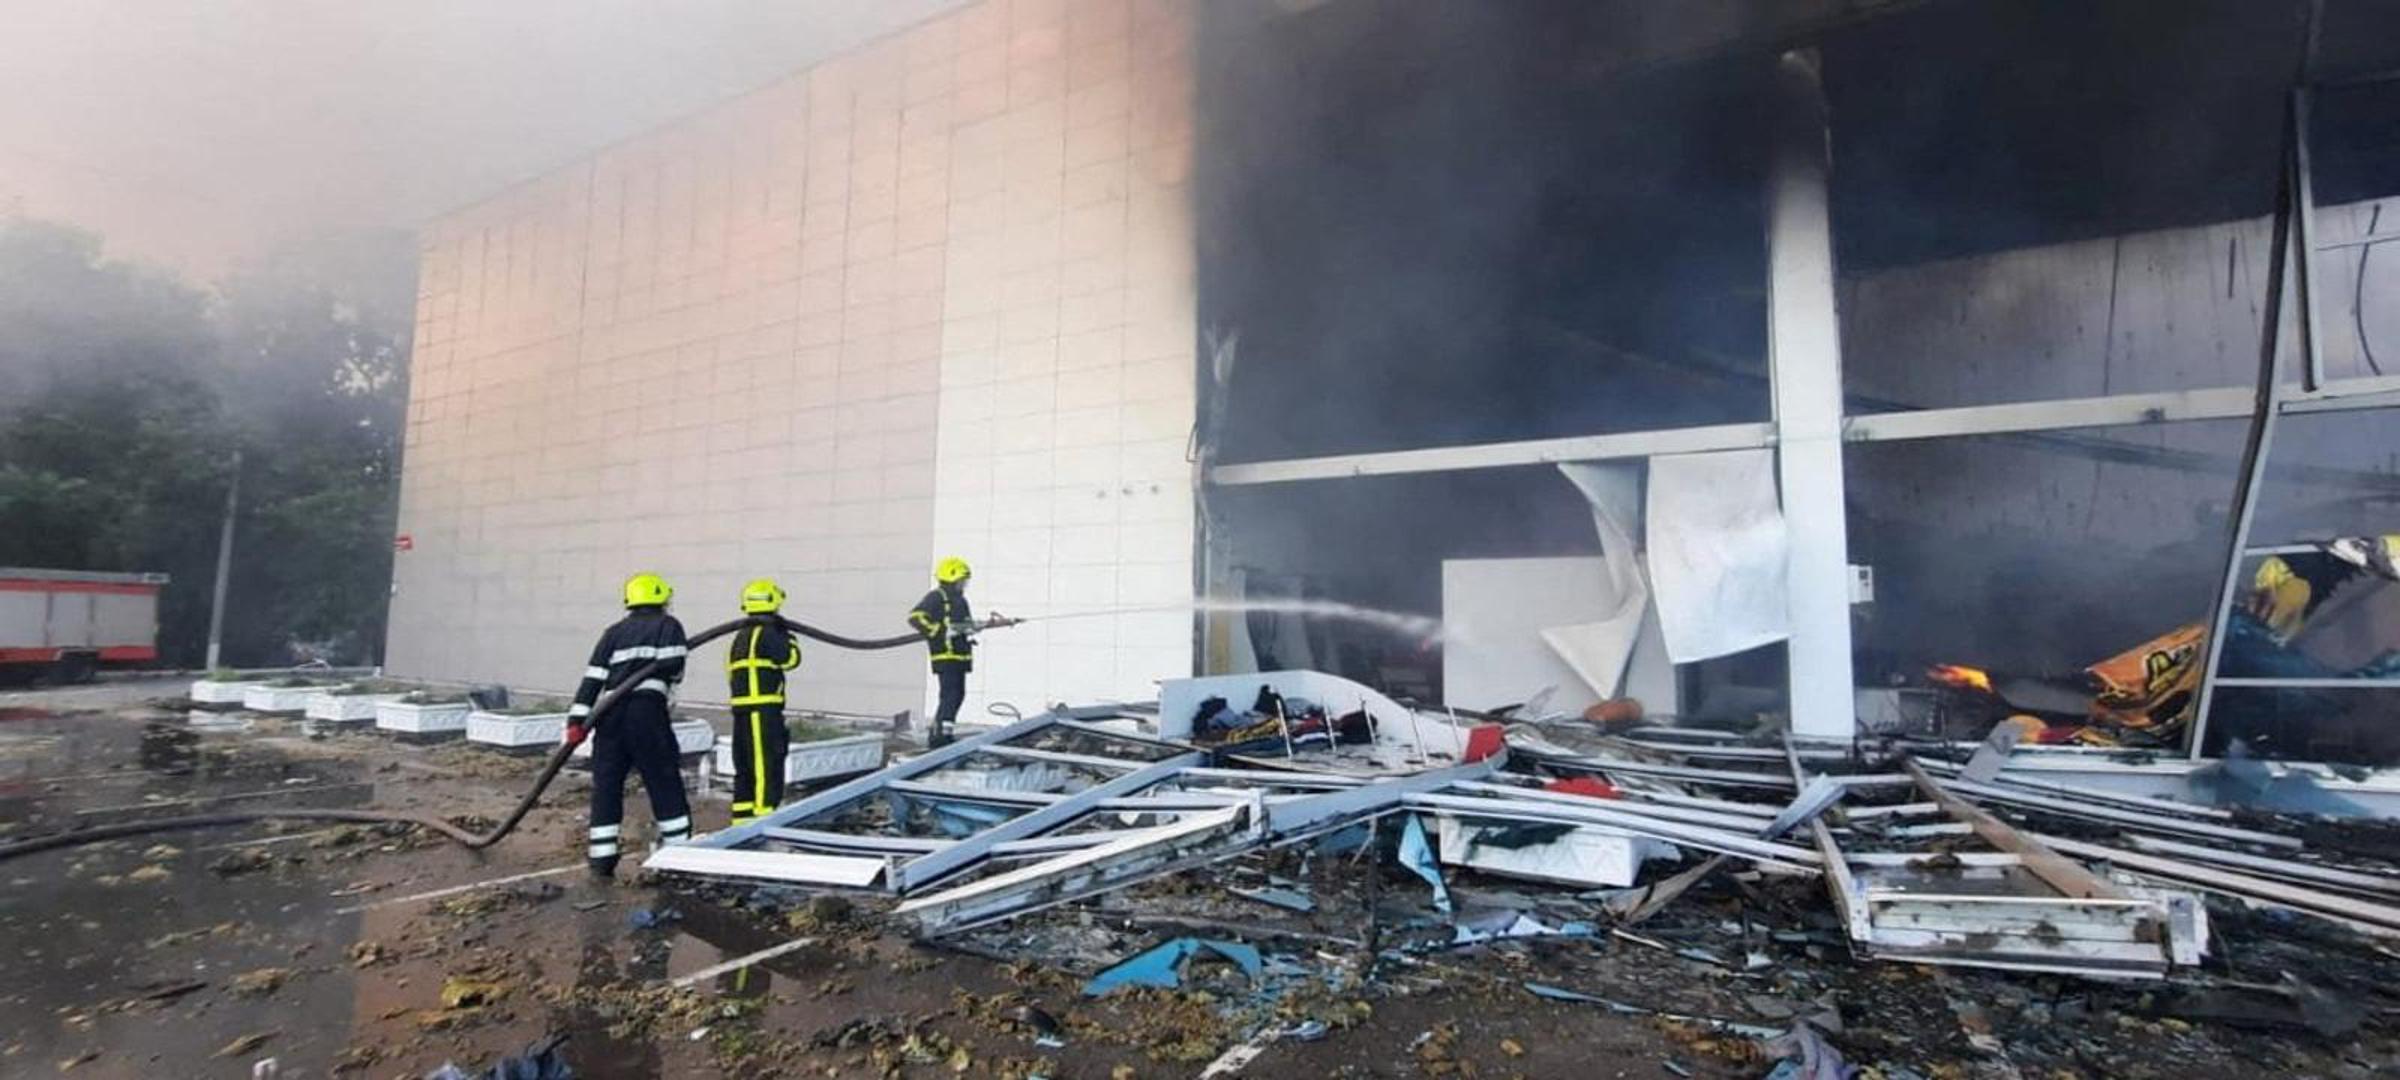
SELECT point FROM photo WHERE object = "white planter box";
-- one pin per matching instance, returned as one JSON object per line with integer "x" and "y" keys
{"x": 207, "y": 692}
{"x": 691, "y": 737}
{"x": 412, "y": 719}
{"x": 500, "y": 729}
{"x": 346, "y": 708}
{"x": 819, "y": 760}
{"x": 262, "y": 697}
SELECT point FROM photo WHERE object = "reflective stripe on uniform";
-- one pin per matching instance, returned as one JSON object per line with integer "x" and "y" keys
{"x": 676, "y": 825}
{"x": 647, "y": 652}
{"x": 758, "y": 758}
{"x": 578, "y": 711}
{"x": 655, "y": 686}
{"x": 605, "y": 832}
{"x": 595, "y": 672}
{"x": 757, "y": 699}
{"x": 602, "y": 851}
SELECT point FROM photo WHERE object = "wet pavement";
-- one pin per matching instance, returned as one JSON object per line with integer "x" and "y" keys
{"x": 359, "y": 950}
{"x": 343, "y": 950}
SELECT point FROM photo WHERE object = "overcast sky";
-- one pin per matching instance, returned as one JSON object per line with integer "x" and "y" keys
{"x": 196, "y": 132}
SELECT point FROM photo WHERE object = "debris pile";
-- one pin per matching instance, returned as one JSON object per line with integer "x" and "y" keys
{"x": 1748, "y": 894}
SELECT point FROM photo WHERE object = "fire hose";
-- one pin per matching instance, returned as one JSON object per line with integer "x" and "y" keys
{"x": 445, "y": 829}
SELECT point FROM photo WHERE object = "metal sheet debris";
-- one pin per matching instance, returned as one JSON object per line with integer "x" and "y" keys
{"x": 1162, "y": 967}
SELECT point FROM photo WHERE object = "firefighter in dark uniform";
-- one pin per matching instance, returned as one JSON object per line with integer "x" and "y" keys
{"x": 636, "y": 735}
{"x": 949, "y": 629}
{"x": 754, "y": 671}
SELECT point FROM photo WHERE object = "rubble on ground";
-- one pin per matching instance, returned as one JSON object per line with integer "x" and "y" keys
{"x": 1776, "y": 908}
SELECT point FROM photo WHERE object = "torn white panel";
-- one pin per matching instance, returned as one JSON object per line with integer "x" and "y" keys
{"x": 1599, "y": 649}
{"x": 1495, "y": 652}
{"x": 1717, "y": 553}
{"x": 1584, "y": 855}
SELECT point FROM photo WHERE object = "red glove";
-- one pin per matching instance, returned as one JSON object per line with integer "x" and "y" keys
{"x": 575, "y": 733}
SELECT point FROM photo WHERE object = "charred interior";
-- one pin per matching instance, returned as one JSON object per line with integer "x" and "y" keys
{"x": 1452, "y": 225}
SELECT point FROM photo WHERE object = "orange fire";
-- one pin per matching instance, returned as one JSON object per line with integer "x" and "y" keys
{"x": 1961, "y": 676}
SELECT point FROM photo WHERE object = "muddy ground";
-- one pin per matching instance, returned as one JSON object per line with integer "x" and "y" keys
{"x": 357, "y": 951}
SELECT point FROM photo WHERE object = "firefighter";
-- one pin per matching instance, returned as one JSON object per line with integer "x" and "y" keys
{"x": 754, "y": 669}
{"x": 949, "y": 629}
{"x": 636, "y": 735}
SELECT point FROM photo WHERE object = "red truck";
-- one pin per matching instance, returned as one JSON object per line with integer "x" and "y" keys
{"x": 66, "y": 624}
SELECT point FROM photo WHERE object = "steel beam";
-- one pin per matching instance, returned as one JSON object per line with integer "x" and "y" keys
{"x": 2259, "y": 442}
{"x": 918, "y": 872}
{"x": 844, "y": 794}
{"x": 1804, "y": 364}
{"x": 1640, "y": 444}
{"x": 2014, "y": 418}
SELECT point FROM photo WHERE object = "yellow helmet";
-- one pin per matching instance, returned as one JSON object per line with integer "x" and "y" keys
{"x": 647, "y": 590}
{"x": 761, "y": 597}
{"x": 951, "y": 571}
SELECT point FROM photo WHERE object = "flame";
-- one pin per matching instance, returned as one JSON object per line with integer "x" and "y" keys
{"x": 1961, "y": 676}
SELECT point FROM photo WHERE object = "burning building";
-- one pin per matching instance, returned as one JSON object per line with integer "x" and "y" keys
{"x": 1885, "y": 333}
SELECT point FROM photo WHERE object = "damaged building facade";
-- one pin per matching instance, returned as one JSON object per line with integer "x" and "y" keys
{"x": 1886, "y": 334}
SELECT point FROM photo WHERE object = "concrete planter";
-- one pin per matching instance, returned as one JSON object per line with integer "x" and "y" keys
{"x": 410, "y": 718}
{"x": 691, "y": 737}
{"x": 516, "y": 731}
{"x": 820, "y": 760}
{"x": 212, "y": 692}
{"x": 336, "y": 708}
{"x": 265, "y": 697}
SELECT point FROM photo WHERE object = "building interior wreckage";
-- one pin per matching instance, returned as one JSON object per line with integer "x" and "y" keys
{"x": 1832, "y": 538}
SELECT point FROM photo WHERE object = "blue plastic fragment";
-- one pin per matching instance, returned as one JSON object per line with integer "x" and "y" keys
{"x": 1288, "y": 899}
{"x": 1162, "y": 965}
{"x": 1345, "y": 840}
{"x": 648, "y": 919}
{"x": 1416, "y": 853}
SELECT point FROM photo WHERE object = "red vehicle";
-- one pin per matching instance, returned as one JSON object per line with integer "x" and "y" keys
{"x": 66, "y": 624}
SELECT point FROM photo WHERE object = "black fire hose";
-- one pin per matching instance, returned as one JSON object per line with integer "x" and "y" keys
{"x": 471, "y": 840}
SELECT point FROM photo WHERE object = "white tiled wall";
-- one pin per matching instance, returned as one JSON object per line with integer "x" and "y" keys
{"x": 933, "y": 297}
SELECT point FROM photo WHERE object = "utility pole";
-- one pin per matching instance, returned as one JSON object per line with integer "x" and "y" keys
{"x": 216, "y": 603}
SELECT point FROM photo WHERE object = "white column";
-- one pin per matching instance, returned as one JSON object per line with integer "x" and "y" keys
{"x": 1804, "y": 352}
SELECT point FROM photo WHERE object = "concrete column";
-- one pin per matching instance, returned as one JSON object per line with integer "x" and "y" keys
{"x": 1804, "y": 352}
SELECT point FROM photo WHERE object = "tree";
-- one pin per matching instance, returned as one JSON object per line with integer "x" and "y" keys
{"x": 124, "y": 395}
{"x": 112, "y": 452}
{"x": 314, "y": 379}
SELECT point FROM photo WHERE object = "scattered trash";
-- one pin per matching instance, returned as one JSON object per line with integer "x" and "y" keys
{"x": 1560, "y": 993}
{"x": 1304, "y": 1031}
{"x": 260, "y": 982}
{"x": 1416, "y": 853}
{"x": 651, "y": 919}
{"x": 466, "y": 993}
{"x": 244, "y": 1044}
{"x": 1803, "y": 1054}
{"x": 543, "y": 1060}
{"x": 1162, "y": 966}
{"x": 1287, "y": 899}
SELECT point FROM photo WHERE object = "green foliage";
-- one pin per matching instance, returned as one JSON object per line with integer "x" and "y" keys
{"x": 125, "y": 396}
